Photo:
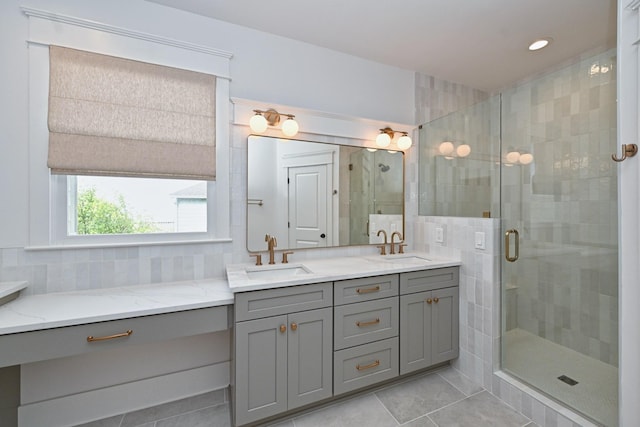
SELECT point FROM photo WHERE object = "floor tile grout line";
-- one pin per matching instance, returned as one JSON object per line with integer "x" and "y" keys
{"x": 385, "y": 408}
{"x": 449, "y": 404}
{"x": 454, "y": 386}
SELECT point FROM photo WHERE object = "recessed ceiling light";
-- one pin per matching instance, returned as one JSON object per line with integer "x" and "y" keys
{"x": 540, "y": 43}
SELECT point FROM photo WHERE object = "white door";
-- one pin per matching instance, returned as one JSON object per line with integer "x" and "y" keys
{"x": 309, "y": 202}
{"x": 629, "y": 199}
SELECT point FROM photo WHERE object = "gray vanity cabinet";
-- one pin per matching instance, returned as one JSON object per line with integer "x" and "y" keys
{"x": 365, "y": 332}
{"x": 284, "y": 361}
{"x": 429, "y": 320}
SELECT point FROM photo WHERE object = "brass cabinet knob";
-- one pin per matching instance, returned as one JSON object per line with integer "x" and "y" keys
{"x": 436, "y": 299}
{"x": 283, "y": 328}
{"x": 429, "y": 300}
{"x": 294, "y": 326}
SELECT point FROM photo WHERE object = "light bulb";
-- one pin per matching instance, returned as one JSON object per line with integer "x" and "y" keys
{"x": 258, "y": 123}
{"x": 513, "y": 157}
{"x": 463, "y": 150}
{"x": 373, "y": 150}
{"x": 290, "y": 127}
{"x": 446, "y": 148}
{"x": 526, "y": 158}
{"x": 404, "y": 142}
{"x": 383, "y": 140}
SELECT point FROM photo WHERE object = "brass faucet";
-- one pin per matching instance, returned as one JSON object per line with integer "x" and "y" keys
{"x": 395, "y": 233}
{"x": 383, "y": 250}
{"x": 271, "y": 243}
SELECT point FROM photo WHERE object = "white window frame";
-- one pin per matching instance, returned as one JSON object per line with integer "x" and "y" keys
{"x": 47, "y": 192}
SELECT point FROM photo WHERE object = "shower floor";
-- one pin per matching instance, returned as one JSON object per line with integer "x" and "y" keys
{"x": 540, "y": 362}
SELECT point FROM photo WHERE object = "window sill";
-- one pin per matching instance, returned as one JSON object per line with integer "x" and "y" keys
{"x": 127, "y": 244}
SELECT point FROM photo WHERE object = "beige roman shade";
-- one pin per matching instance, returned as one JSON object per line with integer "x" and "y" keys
{"x": 115, "y": 116}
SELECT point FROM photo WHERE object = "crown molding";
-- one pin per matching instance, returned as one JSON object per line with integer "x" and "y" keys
{"x": 111, "y": 29}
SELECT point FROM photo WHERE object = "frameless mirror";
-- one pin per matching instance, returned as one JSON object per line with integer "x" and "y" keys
{"x": 313, "y": 194}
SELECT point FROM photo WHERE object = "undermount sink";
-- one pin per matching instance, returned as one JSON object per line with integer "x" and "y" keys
{"x": 276, "y": 272}
{"x": 404, "y": 259}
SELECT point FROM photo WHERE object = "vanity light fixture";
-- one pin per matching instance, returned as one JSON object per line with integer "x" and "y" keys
{"x": 265, "y": 118}
{"x": 383, "y": 140}
{"x": 447, "y": 149}
{"x": 514, "y": 157}
{"x": 540, "y": 43}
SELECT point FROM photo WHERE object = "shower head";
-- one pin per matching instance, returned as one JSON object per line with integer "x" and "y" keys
{"x": 384, "y": 168}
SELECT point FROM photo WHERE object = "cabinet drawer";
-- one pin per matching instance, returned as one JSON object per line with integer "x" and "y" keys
{"x": 428, "y": 280}
{"x": 59, "y": 342}
{"x": 274, "y": 302}
{"x": 365, "y": 289}
{"x": 364, "y": 365}
{"x": 365, "y": 322}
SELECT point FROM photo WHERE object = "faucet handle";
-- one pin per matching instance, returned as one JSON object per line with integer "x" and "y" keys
{"x": 401, "y": 248}
{"x": 285, "y": 260}
{"x": 383, "y": 249}
{"x": 258, "y": 258}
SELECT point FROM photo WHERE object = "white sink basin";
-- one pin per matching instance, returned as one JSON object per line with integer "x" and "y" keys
{"x": 276, "y": 271}
{"x": 404, "y": 259}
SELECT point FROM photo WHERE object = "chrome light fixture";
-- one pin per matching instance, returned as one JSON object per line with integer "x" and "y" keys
{"x": 265, "y": 118}
{"x": 383, "y": 140}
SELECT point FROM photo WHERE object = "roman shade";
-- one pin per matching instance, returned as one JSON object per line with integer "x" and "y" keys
{"x": 115, "y": 116}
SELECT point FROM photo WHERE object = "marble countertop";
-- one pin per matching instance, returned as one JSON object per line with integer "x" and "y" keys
{"x": 330, "y": 269}
{"x": 54, "y": 310}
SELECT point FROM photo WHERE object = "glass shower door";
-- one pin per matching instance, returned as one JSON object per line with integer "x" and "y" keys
{"x": 559, "y": 229}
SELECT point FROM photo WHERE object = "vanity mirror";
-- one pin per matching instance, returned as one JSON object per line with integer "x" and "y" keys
{"x": 314, "y": 194}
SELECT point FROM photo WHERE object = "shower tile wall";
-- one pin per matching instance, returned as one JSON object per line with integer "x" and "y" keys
{"x": 462, "y": 186}
{"x": 436, "y": 98}
{"x": 566, "y": 202}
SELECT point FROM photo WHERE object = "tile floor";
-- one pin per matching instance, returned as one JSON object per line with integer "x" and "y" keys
{"x": 441, "y": 398}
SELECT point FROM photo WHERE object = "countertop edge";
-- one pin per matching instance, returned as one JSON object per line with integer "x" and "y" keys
{"x": 256, "y": 285}
{"x": 219, "y": 295}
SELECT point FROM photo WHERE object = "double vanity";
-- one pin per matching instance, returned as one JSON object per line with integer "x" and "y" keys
{"x": 308, "y": 332}
{"x": 303, "y": 333}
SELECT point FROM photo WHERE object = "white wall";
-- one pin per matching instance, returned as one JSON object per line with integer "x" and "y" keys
{"x": 264, "y": 67}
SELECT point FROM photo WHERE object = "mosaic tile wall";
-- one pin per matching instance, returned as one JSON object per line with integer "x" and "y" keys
{"x": 566, "y": 205}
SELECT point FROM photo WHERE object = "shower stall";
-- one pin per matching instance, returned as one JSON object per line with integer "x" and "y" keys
{"x": 540, "y": 160}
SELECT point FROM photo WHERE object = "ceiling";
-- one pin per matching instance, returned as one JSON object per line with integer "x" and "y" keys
{"x": 479, "y": 43}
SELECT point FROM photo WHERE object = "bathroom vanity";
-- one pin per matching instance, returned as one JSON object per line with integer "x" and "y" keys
{"x": 305, "y": 333}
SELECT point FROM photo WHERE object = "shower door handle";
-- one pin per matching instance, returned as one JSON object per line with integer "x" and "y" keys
{"x": 507, "y": 250}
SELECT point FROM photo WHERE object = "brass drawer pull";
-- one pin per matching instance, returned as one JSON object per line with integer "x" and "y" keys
{"x": 294, "y": 326}
{"x": 368, "y": 290}
{"x": 369, "y": 323}
{"x": 369, "y": 366}
{"x": 283, "y": 328}
{"x": 429, "y": 300}
{"x": 91, "y": 338}
{"x": 436, "y": 299}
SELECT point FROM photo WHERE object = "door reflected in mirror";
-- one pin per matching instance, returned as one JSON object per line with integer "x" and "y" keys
{"x": 313, "y": 194}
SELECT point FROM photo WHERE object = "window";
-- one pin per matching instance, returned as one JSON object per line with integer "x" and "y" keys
{"x": 114, "y": 205}
{"x": 54, "y": 189}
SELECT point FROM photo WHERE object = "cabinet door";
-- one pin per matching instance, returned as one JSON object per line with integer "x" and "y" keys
{"x": 445, "y": 325}
{"x": 415, "y": 332}
{"x": 261, "y": 368}
{"x": 310, "y": 356}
